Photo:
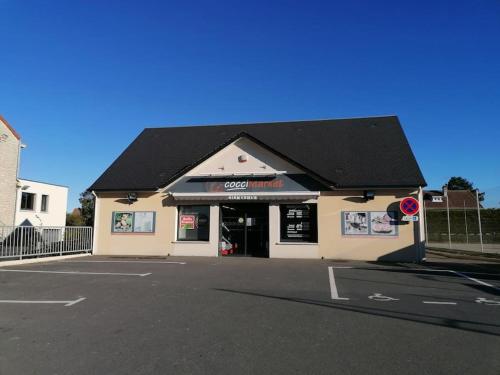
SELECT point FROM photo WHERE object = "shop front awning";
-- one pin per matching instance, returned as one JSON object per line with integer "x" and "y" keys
{"x": 247, "y": 197}
{"x": 256, "y": 186}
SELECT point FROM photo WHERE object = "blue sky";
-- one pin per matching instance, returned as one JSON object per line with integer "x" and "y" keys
{"x": 80, "y": 79}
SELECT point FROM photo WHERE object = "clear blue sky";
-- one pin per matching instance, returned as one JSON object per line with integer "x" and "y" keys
{"x": 80, "y": 79}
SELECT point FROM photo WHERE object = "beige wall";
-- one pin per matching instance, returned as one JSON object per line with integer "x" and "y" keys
{"x": 279, "y": 249}
{"x": 332, "y": 244}
{"x": 9, "y": 156}
{"x": 158, "y": 243}
{"x": 259, "y": 160}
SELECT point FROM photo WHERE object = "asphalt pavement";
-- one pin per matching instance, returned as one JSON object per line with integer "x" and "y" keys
{"x": 97, "y": 315}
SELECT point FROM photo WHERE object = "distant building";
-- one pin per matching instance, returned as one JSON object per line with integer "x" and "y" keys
{"x": 22, "y": 201}
{"x": 436, "y": 199}
{"x": 10, "y": 145}
{"x": 41, "y": 204}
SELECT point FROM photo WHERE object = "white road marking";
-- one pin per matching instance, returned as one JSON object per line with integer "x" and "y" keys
{"x": 66, "y": 303}
{"x": 119, "y": 261}
{"x": 489, "y": 302}
{"x": 439, "y": 303}
{"x": 380, "y": 297}
{"x": 79, "y": 272}
{"x": 473, "y": 279}
{"x": 333, "y": 286}
{"x": 419, "y": 269}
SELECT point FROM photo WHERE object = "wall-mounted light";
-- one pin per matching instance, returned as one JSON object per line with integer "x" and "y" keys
{"x": 369, "y": 195}
{"x": 242, "y": 158}
{"x": 131, "y": 197}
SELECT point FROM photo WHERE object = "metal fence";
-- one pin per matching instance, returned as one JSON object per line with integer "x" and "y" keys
{"x": 464, "y": 229}
{"x": 19, "y": 242}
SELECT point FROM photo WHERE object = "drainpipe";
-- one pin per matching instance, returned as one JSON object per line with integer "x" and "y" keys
{"x": 19, "y": 148}
{"x": 97, "y": 206}
{"x": 422, "y": 225}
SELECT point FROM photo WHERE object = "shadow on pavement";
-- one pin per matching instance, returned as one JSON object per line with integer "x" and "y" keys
{"x": 486, "y": 328}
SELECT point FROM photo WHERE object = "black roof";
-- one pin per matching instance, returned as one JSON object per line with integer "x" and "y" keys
{"x": 360, "y": 152}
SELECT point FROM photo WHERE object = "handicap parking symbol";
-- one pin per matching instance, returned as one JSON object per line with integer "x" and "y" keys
{"x": 380, "y": 297}
{"x": 489, "y": 302}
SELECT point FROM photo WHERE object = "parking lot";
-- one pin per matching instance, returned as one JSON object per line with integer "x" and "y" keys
{"x": 98, "y": 315}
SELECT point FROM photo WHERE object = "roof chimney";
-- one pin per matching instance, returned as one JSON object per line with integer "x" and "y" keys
{"x": 445, "y": 190}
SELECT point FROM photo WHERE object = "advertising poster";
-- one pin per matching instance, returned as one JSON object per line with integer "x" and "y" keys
{"x": 187, "y": 221}
{"x": 122, "y": 221}
{"x": 298, "y": 222}
{"x": 355, "y": 223}
{"x": 382, "y": 223}
{"x": 144, "y": 222}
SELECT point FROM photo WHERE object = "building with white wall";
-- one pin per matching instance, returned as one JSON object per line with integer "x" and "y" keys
{"x": 23, "y": 201}
{"x": 41, "y": 204}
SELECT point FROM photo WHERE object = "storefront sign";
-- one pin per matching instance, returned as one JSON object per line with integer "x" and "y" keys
{"x": 187, "y": 221}
{"x": 242, "y": 197}
{"x": 287, "y": 182}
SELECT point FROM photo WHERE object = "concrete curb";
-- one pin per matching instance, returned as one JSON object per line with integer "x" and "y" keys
{"x": 464, "y": 255}
{"x": 41, "y": 260}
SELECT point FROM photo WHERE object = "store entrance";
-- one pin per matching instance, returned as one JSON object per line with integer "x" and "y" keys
{"x": 244, "y": 229}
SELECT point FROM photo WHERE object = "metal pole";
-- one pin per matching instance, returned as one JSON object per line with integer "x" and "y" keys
{"x": 479, "y": 220}
{"x": 21, "y": 247}
{"x": 448, "y": 216}
{"x": 466, "y": 231}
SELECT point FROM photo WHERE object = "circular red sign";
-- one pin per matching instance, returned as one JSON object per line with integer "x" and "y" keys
{"x": 409, "y": 206}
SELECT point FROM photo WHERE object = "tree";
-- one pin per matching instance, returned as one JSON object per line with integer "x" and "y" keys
{"x": 74, "y": 219}
{"x": 87, "y": 209}
{"x": 460, "y": 183}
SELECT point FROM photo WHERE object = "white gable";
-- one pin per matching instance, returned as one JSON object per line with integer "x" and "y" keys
{"x": 229, "y": 160}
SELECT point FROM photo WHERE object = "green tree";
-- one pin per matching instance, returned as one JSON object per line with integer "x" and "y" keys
{"x": 461, "y": 183}
{"x": 87, "y": 209}
{"x": 73, "y": 219}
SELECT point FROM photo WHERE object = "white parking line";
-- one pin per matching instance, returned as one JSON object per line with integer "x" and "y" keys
{"x": 66, "y": 303}
{"x": 333, "y": 286}
{"x": 439, "y": 303}
{"x": 473, "y": 279}
{"x": 79, "y": 273}
{"x": 119, "y": 261}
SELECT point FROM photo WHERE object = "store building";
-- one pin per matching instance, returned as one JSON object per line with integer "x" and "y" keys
{"x": 305, "y": 189}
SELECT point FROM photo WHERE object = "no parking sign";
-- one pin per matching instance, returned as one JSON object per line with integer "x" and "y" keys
{"x": 409, "y": 206}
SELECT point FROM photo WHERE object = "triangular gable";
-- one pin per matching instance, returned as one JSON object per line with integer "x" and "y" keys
{"x": 243, "y": 156}
{"x": 250, "y": 167}
{"x": 10, "y": 128}
{"x": 260, "y": 155}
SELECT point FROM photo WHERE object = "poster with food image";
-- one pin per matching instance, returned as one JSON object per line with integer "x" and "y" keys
{"x": 355, "y": 222}
{"x": 144, "y": 221}
{"x": 383, "y": 223}
{"x": 187, "y": 221}
{"x": 122, "y": 221}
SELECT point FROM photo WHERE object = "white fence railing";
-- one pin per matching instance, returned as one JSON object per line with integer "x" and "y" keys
{"x": 18, "y": 242}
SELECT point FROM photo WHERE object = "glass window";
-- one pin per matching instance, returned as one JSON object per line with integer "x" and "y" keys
{"x": 45, "y": 203}
{"x": 27, "y": 201}
{"x": 299, "y": 223}
{"x": 193, "y": 223}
